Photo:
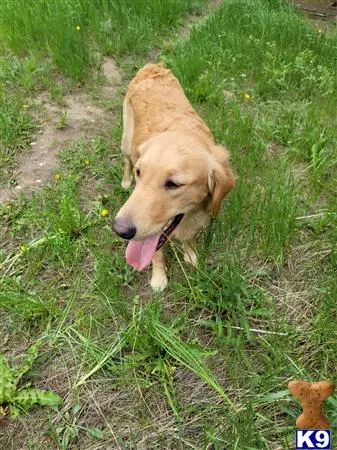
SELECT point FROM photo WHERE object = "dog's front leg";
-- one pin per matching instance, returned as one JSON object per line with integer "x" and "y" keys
{"x": 189, "y": 253}
{"x": 159, "y": 278}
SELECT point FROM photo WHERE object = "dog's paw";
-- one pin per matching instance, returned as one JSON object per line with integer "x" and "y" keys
{"x": 126, "y": 184}
{"x": 159, "y": 282}
{"x": 191, "y": 257}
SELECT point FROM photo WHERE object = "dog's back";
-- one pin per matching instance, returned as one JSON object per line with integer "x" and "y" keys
{"x": 159, "y": 104}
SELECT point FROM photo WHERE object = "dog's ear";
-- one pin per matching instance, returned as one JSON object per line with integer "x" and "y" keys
{"x": 220, "y": 177}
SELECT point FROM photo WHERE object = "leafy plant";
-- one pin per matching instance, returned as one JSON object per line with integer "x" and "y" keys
{"x": 63, "y": 121}
{"x": 69, "y": 431}
{"x": 17, "y": 398}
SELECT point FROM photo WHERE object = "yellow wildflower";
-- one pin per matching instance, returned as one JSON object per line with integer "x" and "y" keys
{"x": 78, "y": 27}
{"x": 247, "y": 97}
{"x": 25, "y": 106}
{"x": 104, "y": 212}
{"x": 57, "y": 176}
{"x": 24, "y": 248}
{"x": 86, "y": 162}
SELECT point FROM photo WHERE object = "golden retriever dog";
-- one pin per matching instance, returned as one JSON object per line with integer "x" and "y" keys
{"x": 181, "y": 174}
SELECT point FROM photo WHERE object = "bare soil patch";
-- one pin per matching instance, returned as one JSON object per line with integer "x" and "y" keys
{"x": 59, "y": 125}
{"x": 113, "y": 76}
{"x": 323, "y": 13}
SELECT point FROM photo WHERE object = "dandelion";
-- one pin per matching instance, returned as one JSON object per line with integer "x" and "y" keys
{"x": 57, "y": 176}
{"x": 86, "y": 162}
{"x": 104, "y": 212}
{"x": 78, "y": 27}
{"x": 247, "y": 97}
{"x": 25, "y": 106}
{"x": 24, "y": 248}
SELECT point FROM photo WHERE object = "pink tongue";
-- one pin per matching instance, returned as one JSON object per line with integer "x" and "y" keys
{"x": 139, "y": 254}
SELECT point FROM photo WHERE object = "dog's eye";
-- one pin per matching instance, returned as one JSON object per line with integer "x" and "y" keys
{"x": 169, "y": 184}
{"x": 137, "y": 172}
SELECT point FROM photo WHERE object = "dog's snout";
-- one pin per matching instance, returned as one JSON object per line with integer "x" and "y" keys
{"x": 124, "y": 229}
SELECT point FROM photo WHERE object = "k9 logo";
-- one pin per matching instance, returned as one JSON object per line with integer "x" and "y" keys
{"x": 313, "y": 439}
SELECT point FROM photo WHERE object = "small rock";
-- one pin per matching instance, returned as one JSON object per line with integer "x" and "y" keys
{"x": 228, "y": 95}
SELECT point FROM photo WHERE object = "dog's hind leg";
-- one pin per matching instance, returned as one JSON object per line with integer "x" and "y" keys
{"x": 127, "y": 143}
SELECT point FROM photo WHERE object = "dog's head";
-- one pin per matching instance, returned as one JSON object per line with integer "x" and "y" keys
{"x": 175, "y": 173}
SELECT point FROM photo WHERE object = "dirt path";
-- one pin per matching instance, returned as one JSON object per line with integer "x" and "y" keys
{"x": 322, "y": 13}
{"x": 60, "y": 125}
{"x": 326, "y": 8}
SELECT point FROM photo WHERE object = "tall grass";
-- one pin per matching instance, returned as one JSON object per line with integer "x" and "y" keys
{"x": 277, "y": 76}
{"x": 16, "y": 128}
{"x": 245, "y": 45}
{"x": 71, "y": 32}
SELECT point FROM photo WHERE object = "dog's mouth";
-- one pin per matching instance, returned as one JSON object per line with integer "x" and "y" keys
{"x": 168, "y": 230}
{"x": 140, "y": 253}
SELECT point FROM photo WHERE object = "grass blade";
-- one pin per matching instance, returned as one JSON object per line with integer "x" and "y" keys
{"x": 186, "y": 355}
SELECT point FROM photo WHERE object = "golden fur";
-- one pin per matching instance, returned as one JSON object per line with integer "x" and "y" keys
{"x": 165, "y": 139}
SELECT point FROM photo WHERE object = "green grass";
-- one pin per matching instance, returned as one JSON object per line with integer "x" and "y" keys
{"x": 16, "y": 129}
{"x": 186, "y": 368}
{"x": 72, "y": 33}
{"x": 42, "y": 41}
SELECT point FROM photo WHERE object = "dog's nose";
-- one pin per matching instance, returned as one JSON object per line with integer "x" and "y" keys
{"x": 124, "y": 229}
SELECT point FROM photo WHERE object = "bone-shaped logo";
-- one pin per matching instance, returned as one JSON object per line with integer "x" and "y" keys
{"x": 312, "y": 395}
